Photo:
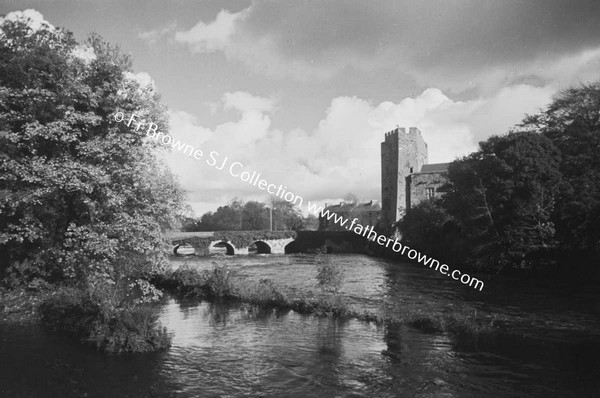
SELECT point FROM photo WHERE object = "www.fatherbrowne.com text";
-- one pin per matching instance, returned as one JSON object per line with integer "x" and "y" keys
{"x": 236, "y": 170}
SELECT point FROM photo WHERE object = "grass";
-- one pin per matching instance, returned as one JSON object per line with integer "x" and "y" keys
{"x": 220, "y": 283}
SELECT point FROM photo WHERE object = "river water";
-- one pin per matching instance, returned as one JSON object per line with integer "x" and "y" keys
{"x": 236, "y": 350}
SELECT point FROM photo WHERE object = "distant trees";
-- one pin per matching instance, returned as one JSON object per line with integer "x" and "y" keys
{"x": 255, "y": 216}
{"x": 250, "y": 216}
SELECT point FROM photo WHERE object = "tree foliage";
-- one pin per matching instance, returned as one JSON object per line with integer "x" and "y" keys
{"x": 82, "y": 197}
{"x": 433, "y": 230}
{"x": 250, "y": 216}
{"x": 572, "y": 123}
{"x": 503, "y": 195}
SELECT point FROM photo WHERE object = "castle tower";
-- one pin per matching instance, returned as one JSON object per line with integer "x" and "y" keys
{"x": 402, "y": 153}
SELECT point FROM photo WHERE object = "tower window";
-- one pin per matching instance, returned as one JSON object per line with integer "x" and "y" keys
{"x": 430, "y": 193}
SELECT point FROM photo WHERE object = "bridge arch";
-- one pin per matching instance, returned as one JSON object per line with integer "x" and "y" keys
{"x": 187, "y": 249}
{"x": 230, "y": 249}
{"x": 262, "y": 247}
{"x": 291, "y": 247}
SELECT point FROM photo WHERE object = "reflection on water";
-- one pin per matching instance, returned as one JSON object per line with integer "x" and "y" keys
{"x": 238, "y": 350}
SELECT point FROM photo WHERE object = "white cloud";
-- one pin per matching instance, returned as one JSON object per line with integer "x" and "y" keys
{"x": 35, "y": 20}
{"x": 258, "y": 52}
{"x": 213, "y": 36}
{"x": 342, "y": 153}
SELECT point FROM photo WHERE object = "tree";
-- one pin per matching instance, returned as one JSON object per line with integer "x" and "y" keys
{"x": 83, "y": 199}
{"x": 226, "y": 218}
{"x": 255, "y": 216}
{"x": 286, "y": 216}
{"x": 503, "y": 195}
{"x": 190, "y": 224}
{"x": 429, "y": 227}
{"x": 310, "y": 223}
{"x": 572, "y": 123}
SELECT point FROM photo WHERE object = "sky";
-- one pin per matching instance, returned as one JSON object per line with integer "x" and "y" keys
{"x": 303, "y": 92}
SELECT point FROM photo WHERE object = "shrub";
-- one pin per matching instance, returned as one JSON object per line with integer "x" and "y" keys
{"x": 332, "y": 306}
{"x": 115, "y": 330}
{"x": 329, "y": 276}
{"x": 130, "y": 330}
{"x": 220, "y": 282}
{"x": 189, "y": 281}
{"x": 468, "y": 332}
{"x": 72, "y": 310}
{"x": 264, "y": 292}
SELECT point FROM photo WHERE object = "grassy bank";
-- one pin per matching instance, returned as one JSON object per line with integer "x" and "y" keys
{"x": 136, "y": 329}
{"x": 220, "y": 284}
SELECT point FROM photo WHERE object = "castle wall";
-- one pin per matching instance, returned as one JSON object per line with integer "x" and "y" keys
{"x": 402, "y": 153}
{"x": 420, "y": 186}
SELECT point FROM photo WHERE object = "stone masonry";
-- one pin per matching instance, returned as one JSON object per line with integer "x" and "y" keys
{"x": 402, "y": 154}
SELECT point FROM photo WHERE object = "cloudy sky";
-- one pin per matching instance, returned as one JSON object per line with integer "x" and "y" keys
{"x": 304, "y": 91}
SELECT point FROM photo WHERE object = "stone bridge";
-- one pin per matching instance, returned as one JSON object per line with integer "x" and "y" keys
{"x": 235, "y": 242}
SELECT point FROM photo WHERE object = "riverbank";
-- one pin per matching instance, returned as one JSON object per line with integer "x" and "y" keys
{"x": 374, "y": 292}
{"x": 219, "y": 284}
{"x": 21, "y": 305}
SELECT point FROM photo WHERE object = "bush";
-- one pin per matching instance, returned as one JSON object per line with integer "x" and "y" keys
{"x": 264, "y": 292}
{"x": 220, "y": 282}
{"x": 130, "y": 330}
{"x": 188, "y": 281}
{"x": 332, "y": 306}
{"x": 468, "y": 332}
{"x": 114, "y": 330}
{"x": 72, "y": 311}
{"x": 330, "y": 276}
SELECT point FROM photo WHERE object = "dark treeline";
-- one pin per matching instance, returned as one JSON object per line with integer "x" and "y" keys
{"x": 526, "y": 200}
{"x": 252, "y": 216}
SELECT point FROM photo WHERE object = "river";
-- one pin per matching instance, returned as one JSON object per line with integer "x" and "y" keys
{"x": 236, "y": 350}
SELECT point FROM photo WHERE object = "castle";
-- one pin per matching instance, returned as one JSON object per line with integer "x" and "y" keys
{"x": 406, "y": 180}
{"x": 406, "y": 177}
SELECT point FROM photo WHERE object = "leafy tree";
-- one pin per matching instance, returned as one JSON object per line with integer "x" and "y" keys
{"x": 503, "y": 195}
{"x": 429, "y": 227}
{"x": 310, "y": 223}
{"x": 226, "y": 218}
{"x": 255, "y": 216}
{"x": 191, "y": 224}
{"x": 572, "y": 123}
{"x": 286, "y": 216}
{"x": 250, "y": 216}
{"x": 83, "y": 198}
